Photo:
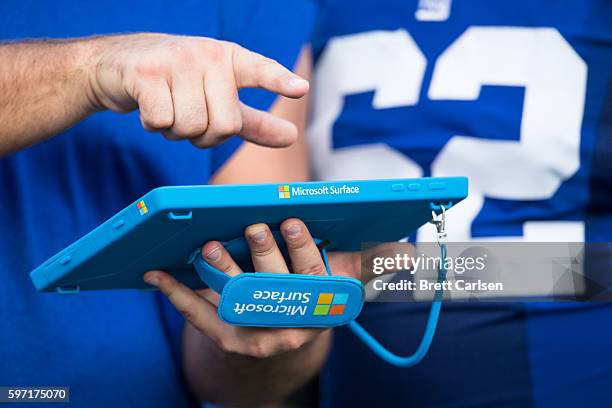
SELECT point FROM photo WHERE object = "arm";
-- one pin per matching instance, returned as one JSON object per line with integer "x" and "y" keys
{"x": 184, "y": 87}
{"x": 233, "y": 378}
{"x": 43, "y": 90}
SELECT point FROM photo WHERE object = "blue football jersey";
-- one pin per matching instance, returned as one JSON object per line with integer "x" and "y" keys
{"x": 516, "y": 96}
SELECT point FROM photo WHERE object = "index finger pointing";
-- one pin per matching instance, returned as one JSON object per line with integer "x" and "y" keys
{"x": 253, "y": 70}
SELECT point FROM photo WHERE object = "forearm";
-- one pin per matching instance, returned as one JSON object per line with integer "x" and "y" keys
{"x": 44, "y": 89}
{"x": 233, "y": 380}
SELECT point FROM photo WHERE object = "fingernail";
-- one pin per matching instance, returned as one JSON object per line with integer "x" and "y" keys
{"x": 152, "y": 280}
{"x": 297, "y": 82}
{"x": 294, "y": 230}
{"x": 259, "y": 236}
{"x": 213, "y": 255}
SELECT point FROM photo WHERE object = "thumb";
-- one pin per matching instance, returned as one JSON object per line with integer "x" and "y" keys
{"x": 265, "y": 129}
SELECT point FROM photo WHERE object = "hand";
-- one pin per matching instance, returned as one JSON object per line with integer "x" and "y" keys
{"x": 186, "y": 87}
{"x": 200, "y": 307}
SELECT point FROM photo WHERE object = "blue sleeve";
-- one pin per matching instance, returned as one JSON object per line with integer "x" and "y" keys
{"x": 275, "y": 28}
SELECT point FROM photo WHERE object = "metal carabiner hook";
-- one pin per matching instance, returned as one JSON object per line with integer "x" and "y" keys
{"x": 439, "y": 220}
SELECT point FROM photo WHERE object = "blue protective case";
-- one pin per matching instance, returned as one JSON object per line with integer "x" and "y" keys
{"x": 165, "y": 228}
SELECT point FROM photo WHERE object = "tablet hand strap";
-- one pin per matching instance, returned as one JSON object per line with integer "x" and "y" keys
{"x": 241, "y": 254}
{"x": 270, "y": 299}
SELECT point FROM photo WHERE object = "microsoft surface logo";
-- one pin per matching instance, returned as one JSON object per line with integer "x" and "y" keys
{"x": 330, "y": 304}
{"x": 142, "y": 207}
{"x": 283, "y": 191}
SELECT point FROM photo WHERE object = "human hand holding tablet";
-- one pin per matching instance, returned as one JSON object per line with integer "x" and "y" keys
{"x": 200, "y": 307}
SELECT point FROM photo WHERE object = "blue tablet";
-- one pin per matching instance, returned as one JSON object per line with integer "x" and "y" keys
{"x": 165, "y": 228}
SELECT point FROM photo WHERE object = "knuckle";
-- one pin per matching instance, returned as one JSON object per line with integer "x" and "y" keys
{"x": 291, "y": 340}
{"x": 225, "y": 265}
{"x": 262, "y": 250}
{"x": 229, "y": 46}
{"x": 190, "y": 129}
{"x": 265, "y": 63}
{"x": 225, "y": 127}
{"x": 229, "y": 127}
{"x": 146, "y": 69}
{"x": 258, "y": 348}
{"x": 263, "y": 67}
{"x": 213, "y": 50}
{"x": 145, "y": 123}
{"x": 181, "y": 53}
{"x": 188, "y": 315}
{"x": 159, "y": 121}
{"x": 276, "y": 83}
{"x": 318, "y": 269}
{"x": 187, "y": 309}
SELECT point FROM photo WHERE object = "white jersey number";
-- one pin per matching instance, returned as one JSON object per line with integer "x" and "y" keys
{"x": 391, "y": 64}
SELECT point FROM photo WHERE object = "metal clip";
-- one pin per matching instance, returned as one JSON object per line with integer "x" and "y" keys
{"x": 439, "y": 220}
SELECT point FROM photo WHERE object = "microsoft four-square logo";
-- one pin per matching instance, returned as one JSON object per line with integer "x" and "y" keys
{"x": 330, "y": 304}
{"x": 283, "y": 191}
{"x": 142, "y": 207}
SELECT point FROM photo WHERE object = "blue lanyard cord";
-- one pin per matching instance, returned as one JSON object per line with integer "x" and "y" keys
{"x": 430, "y": 327}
